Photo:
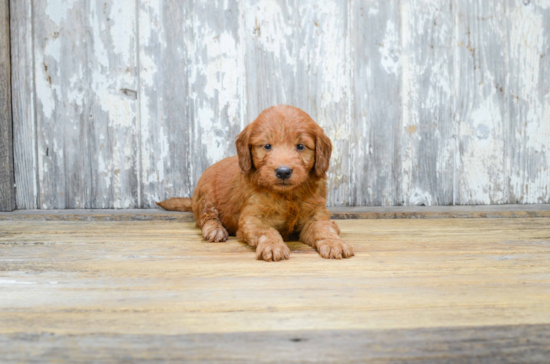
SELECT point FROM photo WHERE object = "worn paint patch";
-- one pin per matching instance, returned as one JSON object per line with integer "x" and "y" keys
{"x": 390, "y": 49}
{"x": 530, "y": 103}
{"x": 56, "y": 10}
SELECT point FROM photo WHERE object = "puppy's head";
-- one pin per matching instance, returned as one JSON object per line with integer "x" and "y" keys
{"x": 283, "y": 148}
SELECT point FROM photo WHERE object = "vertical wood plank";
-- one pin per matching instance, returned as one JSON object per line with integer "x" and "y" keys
{"x": 85, "y": 66}
{"x": 216, "y": 81}
{"x": 529, "y": 37}
{"x": 427, "y": 143}
{"x": 164, "y": 117}
{"x": 270, "y": 32}
{"x": 23, "y": 101}
{"x": 7, "y": 193}
{"x": 323, "y": 82}
{"x": 114, "y": 131}
{"x": 377, "y": 109}
{"x": 62, "y": 113}
{"x": 481, "y": 108}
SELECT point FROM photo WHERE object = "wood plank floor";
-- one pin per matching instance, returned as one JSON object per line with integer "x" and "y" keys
{"x": 451, "y": 290}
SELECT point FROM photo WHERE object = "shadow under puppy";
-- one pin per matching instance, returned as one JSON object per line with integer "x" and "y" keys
{"x": 273, "y": 190}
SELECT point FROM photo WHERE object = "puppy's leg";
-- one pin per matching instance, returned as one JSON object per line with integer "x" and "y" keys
{"x": 211, "y": 226}
{"x": 323, "y": 234}
{"x": 268, "y": 242}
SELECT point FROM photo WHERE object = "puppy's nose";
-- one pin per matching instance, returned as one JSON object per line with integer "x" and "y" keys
{"x": 283, "y": 172}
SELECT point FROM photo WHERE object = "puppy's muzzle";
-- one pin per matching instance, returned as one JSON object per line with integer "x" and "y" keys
{"x": 283, "y": 172}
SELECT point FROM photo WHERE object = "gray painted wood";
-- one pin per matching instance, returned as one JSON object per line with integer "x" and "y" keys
{"x": 377, "y": 109}
{"x": 323, "y": 83}
{"x": 483, "y": 344}
{"x": 85, "y": 83}
{"x": 427, "y": 142}
{"x": 165, "y": 127}
{"x": 529, "y": 101}
{"x": 23, "y": 96}
{"x": 270, "y": 39}
{"x": 481, "y": 110}
{"x": 427, "y": 102}
{"x": 7, "y": 193}
{"x": 215, "y": 72}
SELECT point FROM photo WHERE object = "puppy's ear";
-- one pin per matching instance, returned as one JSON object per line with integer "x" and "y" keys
{"x": 323, "y": 150}
{"x": 243, "y": 150}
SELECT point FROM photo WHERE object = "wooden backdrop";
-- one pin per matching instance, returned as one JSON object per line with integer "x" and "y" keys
{"x": 117, "y": 104}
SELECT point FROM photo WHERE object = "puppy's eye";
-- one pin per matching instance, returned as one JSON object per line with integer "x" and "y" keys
{"x": 267, "y": 146}
{"x": 300, "y": 147}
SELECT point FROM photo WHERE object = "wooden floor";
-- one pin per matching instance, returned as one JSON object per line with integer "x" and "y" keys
{"x": 438, "y": 290}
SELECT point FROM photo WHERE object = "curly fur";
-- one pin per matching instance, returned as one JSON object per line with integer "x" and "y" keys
{"x": 242, "y": 195}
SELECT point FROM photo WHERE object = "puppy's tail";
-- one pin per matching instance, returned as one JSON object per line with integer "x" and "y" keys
{"x": 176, "y": 204}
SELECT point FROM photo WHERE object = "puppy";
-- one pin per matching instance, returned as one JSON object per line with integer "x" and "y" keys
{"x": 273, "y": 190}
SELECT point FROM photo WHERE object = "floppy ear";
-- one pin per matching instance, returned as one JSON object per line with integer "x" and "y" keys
{"x": 323, "y": 149}
{"x": 243, "y": 150}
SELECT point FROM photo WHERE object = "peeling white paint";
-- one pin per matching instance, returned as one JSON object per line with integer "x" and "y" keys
{"x": 390, "y": 49}
{"x": 484, "y": 156}
{"x": 57, "y": 10}
{"x": 123, "y": 28}
{"x": 529, "y": 40}
{"x": 216, "y": 61}
{"x": 44, "y": 91}
{"x": 267, "y": 20}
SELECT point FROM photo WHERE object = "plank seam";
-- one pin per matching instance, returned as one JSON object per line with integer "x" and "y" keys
{"x": 339, "y": 213}
{"x": 242, "y": 64}
{"x": 10, "y": 77}
{"x": 454, "y": 112}
{"x": 398, "y": 193}
{"x": 508, "y": 125}
{"x": 34, "y": 111}
{"x": 7, "y": 183}
{"x": 351, "y": 90}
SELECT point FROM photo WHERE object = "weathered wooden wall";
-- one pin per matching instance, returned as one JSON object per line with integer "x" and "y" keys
{"x": 121, "y": 103}
{"x": 7, "y": 191}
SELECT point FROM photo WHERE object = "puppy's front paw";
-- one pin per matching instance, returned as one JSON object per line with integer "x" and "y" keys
{"x": 272, "y": 250}
{"x": 214, "y": 232}
{"x": 334, "y": 249}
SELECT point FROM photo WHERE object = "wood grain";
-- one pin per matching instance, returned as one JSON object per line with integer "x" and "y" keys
{"x": 502, "y": 344}
{"x": 423, "y": 285}
{"x": 86, "y": 104}
{"x": 165, "y": 130}
{"x": 338, "y": 213}
{"x": 427, "y": 143}
{"x": 481, "y": 105}
{"x": 270, "y": 37}
{"x": 427, "y": 102}
{"x": 216, "y": 81}
{"x": 376, "y": 107}
{"x": 323, "y": 83}
{"x": 529, "y": 101}
{"x": 23, "y": 105}
{"x": 7, "y": 192}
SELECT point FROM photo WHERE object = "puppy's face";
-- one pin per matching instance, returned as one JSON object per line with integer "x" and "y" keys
{"x": 283, "y": 148}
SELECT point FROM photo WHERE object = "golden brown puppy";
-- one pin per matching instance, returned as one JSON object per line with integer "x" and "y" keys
{"x": 275, "y": 188}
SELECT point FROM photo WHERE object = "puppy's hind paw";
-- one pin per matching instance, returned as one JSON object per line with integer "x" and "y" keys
{"x": 334, "y": 249}
{"x": 214, "y": 233}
